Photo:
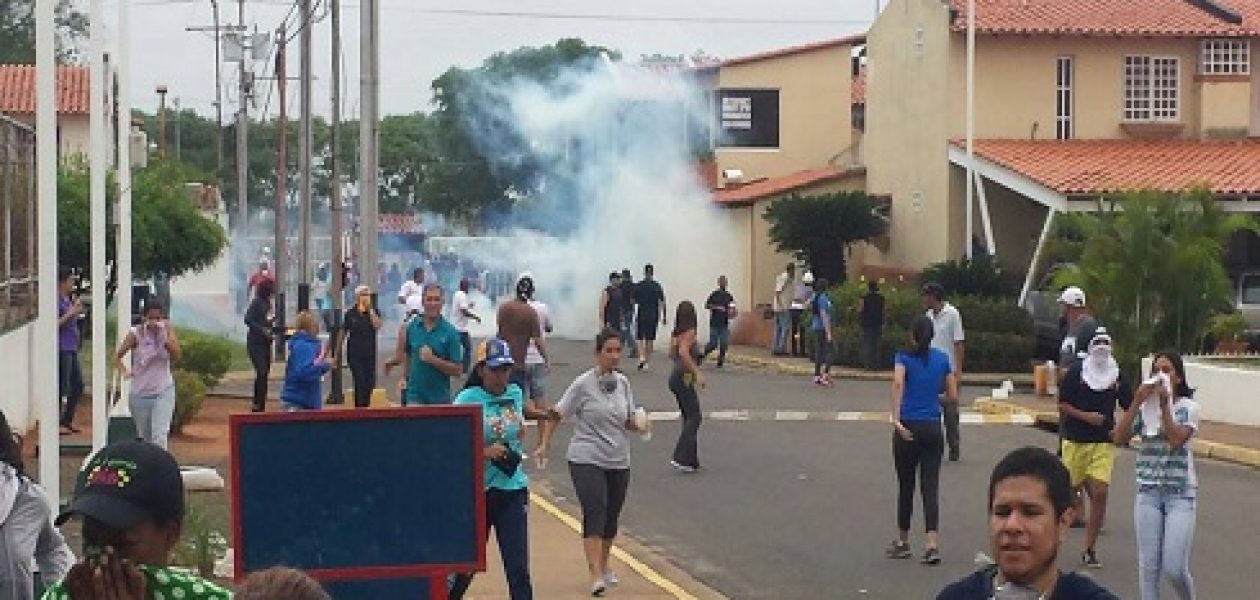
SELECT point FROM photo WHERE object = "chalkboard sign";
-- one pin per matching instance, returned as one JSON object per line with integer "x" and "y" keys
{"x": 383, "y": 495}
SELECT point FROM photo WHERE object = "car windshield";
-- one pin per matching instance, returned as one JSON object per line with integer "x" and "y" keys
{"x": 1251, "y": 289}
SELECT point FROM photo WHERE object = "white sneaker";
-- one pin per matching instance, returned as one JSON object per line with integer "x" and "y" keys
{"x": 681, "y": 467}
{"x": 610, "y": 578}
{"x": 598, "y": 588}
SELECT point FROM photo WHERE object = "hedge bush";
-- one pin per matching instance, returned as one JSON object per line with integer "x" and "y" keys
{"x": 190, "y": 394}
{"x": 207, "y": 356}
{"x": 1000, "y": 335}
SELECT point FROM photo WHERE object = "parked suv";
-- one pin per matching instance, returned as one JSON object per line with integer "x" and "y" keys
{"x": 1247, "y": 301}
{"x": 1047, "y": 316}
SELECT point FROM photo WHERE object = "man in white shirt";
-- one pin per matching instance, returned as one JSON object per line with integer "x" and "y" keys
{"x": 948, "y": 338}
{"x": 461, "y": 313}
{"x": 414, "y": 287}
{"x": 784, "y": 289}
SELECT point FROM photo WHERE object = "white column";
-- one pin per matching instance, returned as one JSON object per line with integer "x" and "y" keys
{"x": 45, "y": 359}
{"x": 123, "y": 212}
{"x": 97, "y": 273}
{"x": 971, "y": 119}
{"x": 985, "y": 217}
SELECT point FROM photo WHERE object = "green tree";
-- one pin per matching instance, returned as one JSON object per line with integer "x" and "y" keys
{"x": 466, "y": 177}
{"x": 17, "y": 31}
{"x": 1152, "y": 264}
{"x": 819, "y": 229}
{"x": 169, "y": 235}
{"x": 982, "y": 276}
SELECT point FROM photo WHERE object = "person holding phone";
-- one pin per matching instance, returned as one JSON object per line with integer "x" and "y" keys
{"x": 361, "y": 323}
{"x": 153, "y": 346}
{"x": 919, "y": 375}
{"x": 1165, "y": 416}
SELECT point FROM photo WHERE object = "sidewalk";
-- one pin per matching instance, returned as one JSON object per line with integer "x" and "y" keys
{"x": 1223, "y": 441}
{"x": 760, "y": 358}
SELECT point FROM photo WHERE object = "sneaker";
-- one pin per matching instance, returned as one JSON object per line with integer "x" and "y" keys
{"x": 827, "y": 381}
{"x": 954, "y": 455}
{"x": 818, "y": 380}
{"x": 1090, "y": 559}
{"x": 898, "y": 549}
{"x": 683, "y": 468}
{"x": 598, "y": 588}
{"x": 931, "y": 556}
{"x": 610, "y": 578}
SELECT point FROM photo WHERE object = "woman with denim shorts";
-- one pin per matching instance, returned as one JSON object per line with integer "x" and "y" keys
{"x": 1164, "y": 416}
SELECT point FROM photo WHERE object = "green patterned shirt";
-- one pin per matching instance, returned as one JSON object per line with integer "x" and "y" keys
{"x": 163, "y": 584}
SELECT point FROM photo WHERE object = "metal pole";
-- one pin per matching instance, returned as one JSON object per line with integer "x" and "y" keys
{"x": 282, "y": 188}
{"x": 218, "y": 95}
{"x": 368, "y": 132}
{"x": 304, "y": 163}
{"x": 335, "y": 393}
{"x": 161, "y": 141}
{"x": 971, "y": 118}
{"x": 242, "y": 131}
{"x": 97, "y": 272}
{"x": 123, "y": 212}
{"x": 179, "y": 118}
{"x": 44, "y": 360}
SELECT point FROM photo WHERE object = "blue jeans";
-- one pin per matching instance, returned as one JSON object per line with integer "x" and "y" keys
{"x": 507, "y": 512}
{"x": 70, "y": 379}
{"x": 782, "y": 331}
{"x": 720, "y": 339}
{"x": 1164, "y": 520}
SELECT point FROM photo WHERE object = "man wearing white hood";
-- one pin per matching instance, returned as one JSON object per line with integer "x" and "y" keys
{"x": 1088, "y": 396}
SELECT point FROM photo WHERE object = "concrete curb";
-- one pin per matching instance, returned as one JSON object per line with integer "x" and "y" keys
{"x": 1021, "y": 380}
{"x": 1240, "y": 455}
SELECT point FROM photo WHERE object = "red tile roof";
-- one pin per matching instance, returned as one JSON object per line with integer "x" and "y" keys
{"x": 764, "y": 188}
{"x": 400, "y": 224}
{"x": 858, "y": 93}
{"x": 1089, "y": 167}
{"x": 852, "y": 40}
{"x": 17, "y": 89}
{"x": 1171, "y": 18}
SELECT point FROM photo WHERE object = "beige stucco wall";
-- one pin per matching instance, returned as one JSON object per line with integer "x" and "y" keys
{"x": 72, "y": 130}
{"x": 814, "y": 112}
{"x": 1225, "y": 108}
{"x": 908, "y": 91}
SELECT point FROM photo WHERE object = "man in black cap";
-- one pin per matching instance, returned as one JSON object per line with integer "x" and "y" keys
{"x": 131, "y": 500}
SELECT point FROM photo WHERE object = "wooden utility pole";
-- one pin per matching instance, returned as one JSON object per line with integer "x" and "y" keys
{"x": 336, "y": 395}
{"x": 369, "y": 156}
{"x": 282, "y": 190}
{"x": 304, "y": 162}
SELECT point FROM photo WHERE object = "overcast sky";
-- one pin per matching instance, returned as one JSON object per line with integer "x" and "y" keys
{"x": 418, "y": 44}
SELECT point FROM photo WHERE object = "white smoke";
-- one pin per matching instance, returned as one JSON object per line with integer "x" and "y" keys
{"x": 611, "y": 141}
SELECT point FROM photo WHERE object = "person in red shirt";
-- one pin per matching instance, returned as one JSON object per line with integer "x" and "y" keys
{"x": 262, "y": 274}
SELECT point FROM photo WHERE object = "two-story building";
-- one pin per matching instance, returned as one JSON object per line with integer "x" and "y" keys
{"x": 783, "y": 124}
{"x": 1072, "y": 99}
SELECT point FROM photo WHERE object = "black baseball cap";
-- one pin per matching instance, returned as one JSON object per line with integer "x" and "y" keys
{"x": 127, "y": 482}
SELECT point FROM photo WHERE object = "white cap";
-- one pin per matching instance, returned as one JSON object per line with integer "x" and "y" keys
{"x": 415, "y": 302}
{"x": 1073, "y": 296}
{"x": 808, "y": 277}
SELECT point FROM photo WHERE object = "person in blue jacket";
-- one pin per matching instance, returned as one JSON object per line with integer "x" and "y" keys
{"x": 304, "y": 370}
{"x": 1030, "y": 513}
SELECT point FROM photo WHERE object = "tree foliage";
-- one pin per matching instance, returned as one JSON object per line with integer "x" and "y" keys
{"x": 819, "y": 229}
{"x": 1151, "y": 263}
{"x": 480, "y": 163}
{"x": 982, "y": 276}
{"x": 17, "y": 31}
{"x": 169, "y": 235}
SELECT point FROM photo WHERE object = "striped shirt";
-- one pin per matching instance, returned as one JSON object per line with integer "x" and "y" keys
{"x": 1158, "y": 464}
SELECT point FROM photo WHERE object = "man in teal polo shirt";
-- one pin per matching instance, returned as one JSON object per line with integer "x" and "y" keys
{"x": 430, "y": 353}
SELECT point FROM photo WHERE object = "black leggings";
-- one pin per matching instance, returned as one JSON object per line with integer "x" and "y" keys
{"x": 686, "y": 452}
{"x": 602, "y": 494}
{"x": 260, "y": 357}
{"x": 924, "y": 452}
{"x": 363, "y": 372}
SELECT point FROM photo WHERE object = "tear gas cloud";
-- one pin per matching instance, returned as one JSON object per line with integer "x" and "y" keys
{"x": 618, "y": 188}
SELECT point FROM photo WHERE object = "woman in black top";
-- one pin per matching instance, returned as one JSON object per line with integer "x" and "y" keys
{"x": 360, "y": 325}
{"x": 258, "y": 319}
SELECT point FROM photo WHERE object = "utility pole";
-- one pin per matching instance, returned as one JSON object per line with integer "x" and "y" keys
{"x": 282, "y": 188}
{"x": 335, "y": 393}
{"x": 218, "y": 96}
{"x": 97, "y": 272}
{"x": 44, "y": 341}
{"x": 242, "y": 133}
{"x": 179, "y": 121}
{"x": 369, "y": 80}
{"x": 161, "y": 142}
{"x": 304, "y": 163}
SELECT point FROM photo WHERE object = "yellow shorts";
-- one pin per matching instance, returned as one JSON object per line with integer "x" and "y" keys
{"x": 1089, "y": 460}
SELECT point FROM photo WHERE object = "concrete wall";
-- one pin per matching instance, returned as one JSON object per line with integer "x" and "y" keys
{"x": 16, "y": 370}
{"x": 814, "y": 112}
{"x": 907, "y": 127}
{"x": 1224, "y": 394}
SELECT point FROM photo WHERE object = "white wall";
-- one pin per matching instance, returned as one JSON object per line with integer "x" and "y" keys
{"x": 1225, "y": 394}
{"x": 18, "y": 400}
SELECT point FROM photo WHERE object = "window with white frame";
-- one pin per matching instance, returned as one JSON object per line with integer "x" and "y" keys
{"x": 1151, "y": 88}
{"x": 1063, "y": 98}
{"x": 1225, "y": 57}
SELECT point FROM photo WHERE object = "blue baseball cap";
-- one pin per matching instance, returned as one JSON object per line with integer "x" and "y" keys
{"x": 495, "y": 353}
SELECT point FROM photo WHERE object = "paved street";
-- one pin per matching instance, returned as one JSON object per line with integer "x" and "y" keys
{"x": 788, "y": 509}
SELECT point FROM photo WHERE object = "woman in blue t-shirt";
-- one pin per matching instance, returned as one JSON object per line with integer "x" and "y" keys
{"x": 918, "y": 378}
{"x": 507, "y": 487}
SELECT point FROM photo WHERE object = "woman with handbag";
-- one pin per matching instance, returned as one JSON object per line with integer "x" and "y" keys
{"x": 507, "y": 487}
